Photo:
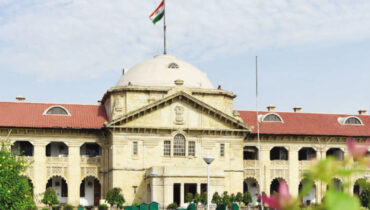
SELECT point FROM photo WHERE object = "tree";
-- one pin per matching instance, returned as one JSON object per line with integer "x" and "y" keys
{"x": 50, "y": 197}
{"x": 247, "y": 198}
{"x": 216, "y": 198}
{"x": 239, "y": 197}
{"x": 203, "y": 198}
{"x": 197, "y": 198}
{"x": 189, "y": 197}
{"x": 226, "y": 199}
{"x": 365, "y": 196}
{"x": 15, "y": 192}
{"x": 115, "y": 197}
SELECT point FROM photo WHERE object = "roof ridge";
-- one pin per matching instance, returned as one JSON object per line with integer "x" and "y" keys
{"x": 315, "y": 113}
{"x": 48, "y": 103}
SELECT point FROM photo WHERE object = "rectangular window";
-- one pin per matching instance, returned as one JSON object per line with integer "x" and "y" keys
{"x": 222, "y": 150}
{"x": 191, "y": 148}
{"x": 167, "y": 148}
{"x": 134, "y": 148}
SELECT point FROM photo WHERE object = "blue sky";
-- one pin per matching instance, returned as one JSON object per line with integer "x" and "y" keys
{"x": 313, "y": 53}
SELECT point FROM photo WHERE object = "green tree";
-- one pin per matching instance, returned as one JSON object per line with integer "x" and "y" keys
{"x": 15, "y": 192}
{"x": 239, "y": 197}
{"x": 50, "y": 197}
{"x": 247, "y": 198}
{"x": 365, "y": 196}
{"x": 189, "y": 197}
{"x": 216, "y": 198}
{"x": 226, "y": 199}
{"x": 232, "y": 198}
{"x": 115, "y": 197}
{"x": 197, "y": 198}
{"x": 203, "y": 198}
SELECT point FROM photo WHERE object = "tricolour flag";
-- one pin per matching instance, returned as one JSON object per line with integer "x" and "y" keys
{"x": 158, "y": 13}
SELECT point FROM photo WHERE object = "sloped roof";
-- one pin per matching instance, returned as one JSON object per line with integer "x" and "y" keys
{"x": 307, "y": 124}
{"x": 30, "y": 115}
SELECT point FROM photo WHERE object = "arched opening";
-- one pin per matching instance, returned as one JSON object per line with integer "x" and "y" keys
{"x": 359, "y": 186}
{"x": 337, "y": 184}
{"x": 179, "y": 145}
{"x": 278, "y": 153}
{"x": 250, "y": 153}
{"x": 274, "y": 187}
{"x": 90, "y": 150}
{"x": 336, "y": 153}
{"x": 306, "y": 153}
{"x": 60, "y": 186}
{"x": 22, "y": 148}
{"x": 310, "y": 197}
{"x": 90, "y": 191}
{"x": 56, "y": 149}
{"x": 251, "y": 185}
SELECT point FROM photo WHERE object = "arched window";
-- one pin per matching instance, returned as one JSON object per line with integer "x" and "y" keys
{"x": 56, "y": 110}
{"x": 179, "y": 145}
{"x": 173, "y": 66}
{"x": 352, "y": 121}
{"x": 272, "y": 118}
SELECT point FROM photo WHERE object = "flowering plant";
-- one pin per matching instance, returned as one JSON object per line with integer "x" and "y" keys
{"x": 326, "y": 171}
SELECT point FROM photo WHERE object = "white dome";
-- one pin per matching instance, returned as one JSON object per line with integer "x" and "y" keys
{"x": 163, "y": 70}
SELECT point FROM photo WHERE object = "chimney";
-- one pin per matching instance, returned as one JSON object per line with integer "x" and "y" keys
{"x": 20, "y": 98}
{"x": 362, "y": 112}
{"x": 271, "y": 108}
{"x": 297, "y": 109}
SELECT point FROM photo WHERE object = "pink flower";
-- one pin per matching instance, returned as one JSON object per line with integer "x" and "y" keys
{"x": 356, "y": 150}
{"x": 279, "y": 201}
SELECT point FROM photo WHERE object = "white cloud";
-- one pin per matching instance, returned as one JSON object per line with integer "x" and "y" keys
{"x": 66, "y": 39}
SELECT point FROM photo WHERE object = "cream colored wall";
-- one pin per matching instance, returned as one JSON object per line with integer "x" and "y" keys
{"x": 70, "y": 168}
{"x": 291, "y": 170}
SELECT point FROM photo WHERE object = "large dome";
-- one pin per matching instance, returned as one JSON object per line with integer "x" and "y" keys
{"x": 163, "y": 70}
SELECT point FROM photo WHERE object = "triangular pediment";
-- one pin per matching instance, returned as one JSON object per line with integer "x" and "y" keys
{"x": 179, "y": 110}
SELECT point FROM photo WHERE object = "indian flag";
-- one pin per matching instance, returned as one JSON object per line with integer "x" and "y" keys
{"x": 158, "y": 13}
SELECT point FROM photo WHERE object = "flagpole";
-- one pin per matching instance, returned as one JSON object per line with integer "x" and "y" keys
{"x": 258, "y": 138}
{"x": 164, "y": 28}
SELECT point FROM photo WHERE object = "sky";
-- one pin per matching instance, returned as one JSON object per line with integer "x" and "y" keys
{"x": 311, "y": 53}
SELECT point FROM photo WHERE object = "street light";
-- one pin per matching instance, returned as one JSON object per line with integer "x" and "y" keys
{"x": 208, "y": 159}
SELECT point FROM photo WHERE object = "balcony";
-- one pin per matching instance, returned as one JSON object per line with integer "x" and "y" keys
{"x": 251, "y": 164}
{"x": 279, "y": 164}
{"x": 87, "y": 161}
{"x": 57, "y": 160}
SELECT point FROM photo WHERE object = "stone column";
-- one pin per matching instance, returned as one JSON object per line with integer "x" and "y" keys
{"x": 74, "y": 173}
{"x": 293, "y": 181}
{"x": 265, "y": 169}
{"x": 198, "y": 187}
{"x": 40, "y": 170}
{"x": 182, "y": 189}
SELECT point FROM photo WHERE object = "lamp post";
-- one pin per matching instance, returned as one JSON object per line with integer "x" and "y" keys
{"x": 208, "y": 159}
{"x": 153, "y": 175}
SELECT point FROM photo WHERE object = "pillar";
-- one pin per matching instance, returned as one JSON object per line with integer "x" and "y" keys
{"x": 74, "y": 173}
{"x": 293, "y": 181}
{"x": 40, "y": 171}
{"x": 182, "y": 188}
{"x": 265, "y": 169}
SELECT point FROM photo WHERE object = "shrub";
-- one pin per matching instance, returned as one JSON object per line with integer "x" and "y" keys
{"x": 365, "y": 197}
{"x": 216, "y": 198}
{"x": 203, "y": 198}
{"x": 15, "y": 192}
{"x": 135, "y": 203}
{"x": 247, "y": 198}
{"x": 45, "y": 208}
{"x": 102, "y": 207}
{"x": 189, "y": 198}
{"x": 67, "y": 207}
{"x": 115, "y": 197}
{"x": 172, "y": 206}
{"x": 55, "y": 207}
{"x": 50, "y": 197}
{"x": 89, "y": 207}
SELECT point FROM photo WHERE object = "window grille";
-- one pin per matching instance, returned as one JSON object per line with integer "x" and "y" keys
{"x": 222, "y": 150}
{"x": 57, "y": 111}
{"x": 272, "y": 118}
{"x": 134, "y": 149}
{"x": 173, "y": 66}
{"x": 352, "y": 121}
{"x": 167, "y": 148}
{"x": 191, "y": 148}
{"x": 179, "y": 145}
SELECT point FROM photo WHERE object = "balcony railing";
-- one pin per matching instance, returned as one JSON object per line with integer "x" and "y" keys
{"x": 57, "y": 160}
{"x": 250, "y": 163}
{"x": 90, "y": 161}
{"x": 279, "y": 163}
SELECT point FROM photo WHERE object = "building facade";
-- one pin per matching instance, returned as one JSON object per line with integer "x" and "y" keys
{"x": 151, "y": 131}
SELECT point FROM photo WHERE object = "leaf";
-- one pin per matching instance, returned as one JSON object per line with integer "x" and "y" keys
{"x": 335, "y": 200}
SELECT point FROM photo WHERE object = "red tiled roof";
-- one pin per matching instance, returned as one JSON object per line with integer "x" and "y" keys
{"x": 24, "y": 114}
{"x": 308, "y": 124}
